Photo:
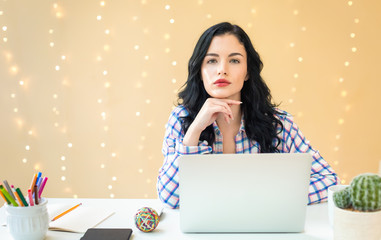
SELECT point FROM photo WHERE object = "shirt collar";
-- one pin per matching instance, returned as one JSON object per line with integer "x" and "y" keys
{"x": 218, "y": 132}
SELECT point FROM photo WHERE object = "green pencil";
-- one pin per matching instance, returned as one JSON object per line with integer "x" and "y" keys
{"x": 21, "y": 197}
{"x": 7, "y": 196}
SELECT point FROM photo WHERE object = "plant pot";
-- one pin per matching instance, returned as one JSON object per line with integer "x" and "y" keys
{"x": 351, "y": 225}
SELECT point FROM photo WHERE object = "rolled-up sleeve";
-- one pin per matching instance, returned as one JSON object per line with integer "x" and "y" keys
{"x": 168, "y": 179}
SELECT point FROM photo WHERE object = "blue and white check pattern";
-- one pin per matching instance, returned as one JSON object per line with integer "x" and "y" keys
{"x": 293, "y": 141}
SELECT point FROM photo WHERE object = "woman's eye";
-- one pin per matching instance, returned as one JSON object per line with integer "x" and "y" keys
{"x": 211, "y": 61}
{"x": 234, "y": 61}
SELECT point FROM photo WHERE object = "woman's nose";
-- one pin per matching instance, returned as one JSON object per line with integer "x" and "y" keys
{"x": 222, "y": 70}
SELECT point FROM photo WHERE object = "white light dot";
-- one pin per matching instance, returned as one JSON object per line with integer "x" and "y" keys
{"x": 27, "y": 147}
{"x": 136, "y": 47}
{"x": 338, "y": 136}
{"x": 112, "y": 195}
{"x": 344, "y": 93}
{"x": 63, "y": 178}
{"x": 350, "y": 3}
{"x": 354, "y": 49}
{"x": 167, "y": 36}
{"x": 15, "y": 110}
{"x": 13, "y": 95}
{"x": 102, "y": 3}
{"x": 99, "y": 17}
{"x": 4, "y": 28}
{"x": 174, "y": 63}
{"x": 105, "y": 73}
{"x": 63, "y": 158}
{"x": 148, "y": 101}
{"x": 51, "y": 31}
{"x": 51, "y": 44}
{"x": 25, "y": 160}
{"x": 103, "y": 145}
{"x": 55, "y": 96}
{"x": 209, "y": 16}
{"x": 172, "y": 20}
{"x": 173, "y": 80}
{"x": 140, "y": 170}
{"x": 102, "y": 166}
{"x": 137, "y": 114}
{"x": 300, "y": 59}
{"x": 21, "y": 82}
{"x": 107, "y": 31}
{"x": 167, "y": 50}
{"x": 113, "y": 155}
{"x": 353, "y": 35}
{"x": 30, "y": 132}
{"x": 70, "y": 145}
{"x": 346, "y": 64}
{"x": 1, "y": 13}
{"x": 100, "y": 100}
{"x": 341, "y": 121}
{"x": 63, "y": 57}
{"x": 109, "y": 187}
{"x": 296, "y": 12}
{"x": 167, "y": 7}
{"x": 357, "y": 20}
{"x": 341, "y": 80}
{"x": 113, "y": 178}
{"x": 304, "y": 29}
{"x": 296, "y": 75}
{"x": 146, "y": 57}
{"x": 63, "y": 168}
{"x": 292, "y": 44}
{"x": 5, "y": 39}
{"x": 57, "y": 68}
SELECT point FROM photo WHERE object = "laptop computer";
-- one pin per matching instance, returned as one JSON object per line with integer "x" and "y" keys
{"x": 244, "y": 192}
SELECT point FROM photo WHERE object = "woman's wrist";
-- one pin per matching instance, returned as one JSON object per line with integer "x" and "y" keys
{"x": 192, "y": 136}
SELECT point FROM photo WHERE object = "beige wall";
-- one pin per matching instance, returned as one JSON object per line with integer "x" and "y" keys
{"x": 111, "y": 94}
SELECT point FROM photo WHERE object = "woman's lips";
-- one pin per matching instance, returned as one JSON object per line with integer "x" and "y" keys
{"x": 221, "y": 83}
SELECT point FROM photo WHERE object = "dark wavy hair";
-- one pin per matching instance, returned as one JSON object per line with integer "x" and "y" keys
{"x": 257, "y": 107}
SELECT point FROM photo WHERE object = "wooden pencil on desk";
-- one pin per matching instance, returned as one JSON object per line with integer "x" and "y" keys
{"x": 66, "y": 212}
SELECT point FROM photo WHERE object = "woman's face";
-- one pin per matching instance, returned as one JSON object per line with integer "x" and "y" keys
{"x": 224, "y": 68}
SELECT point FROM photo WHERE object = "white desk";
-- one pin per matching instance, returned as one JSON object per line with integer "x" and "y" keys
{"x": 317, "y": 226}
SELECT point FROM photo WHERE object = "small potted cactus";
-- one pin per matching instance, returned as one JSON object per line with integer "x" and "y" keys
{"x": 358, "y": 209}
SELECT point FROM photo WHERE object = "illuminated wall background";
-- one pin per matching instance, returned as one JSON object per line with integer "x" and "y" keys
{"x": 87, "y": 86}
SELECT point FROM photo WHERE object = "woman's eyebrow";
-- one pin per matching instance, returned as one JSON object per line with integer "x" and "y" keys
{"x": 230, "y": 55}
{"x": 235, "y": 54}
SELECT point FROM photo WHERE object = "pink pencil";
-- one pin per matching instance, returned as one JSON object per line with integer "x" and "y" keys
{"x": 42, "y": 186}
{"x": 31, "y": 203}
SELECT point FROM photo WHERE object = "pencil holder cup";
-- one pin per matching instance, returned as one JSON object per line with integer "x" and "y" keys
{"x": 30, "y": 222}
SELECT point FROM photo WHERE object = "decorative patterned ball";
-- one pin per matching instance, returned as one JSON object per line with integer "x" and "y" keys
{"x": 146, "y": 219}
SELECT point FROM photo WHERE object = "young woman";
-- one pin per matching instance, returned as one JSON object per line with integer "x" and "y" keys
{"x": 226, "y": 107}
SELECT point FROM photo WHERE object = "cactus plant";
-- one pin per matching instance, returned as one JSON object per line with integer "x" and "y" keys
{"x": 363, "y": 194}
{"x": 342, "y": 198}
{"x": 366, "y": 192}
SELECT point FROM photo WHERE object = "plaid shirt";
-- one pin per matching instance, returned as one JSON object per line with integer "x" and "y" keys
{"x": 292, "y": 141}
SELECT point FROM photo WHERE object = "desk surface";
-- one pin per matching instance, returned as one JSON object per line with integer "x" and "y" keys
{"x": 317, "y": 226}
